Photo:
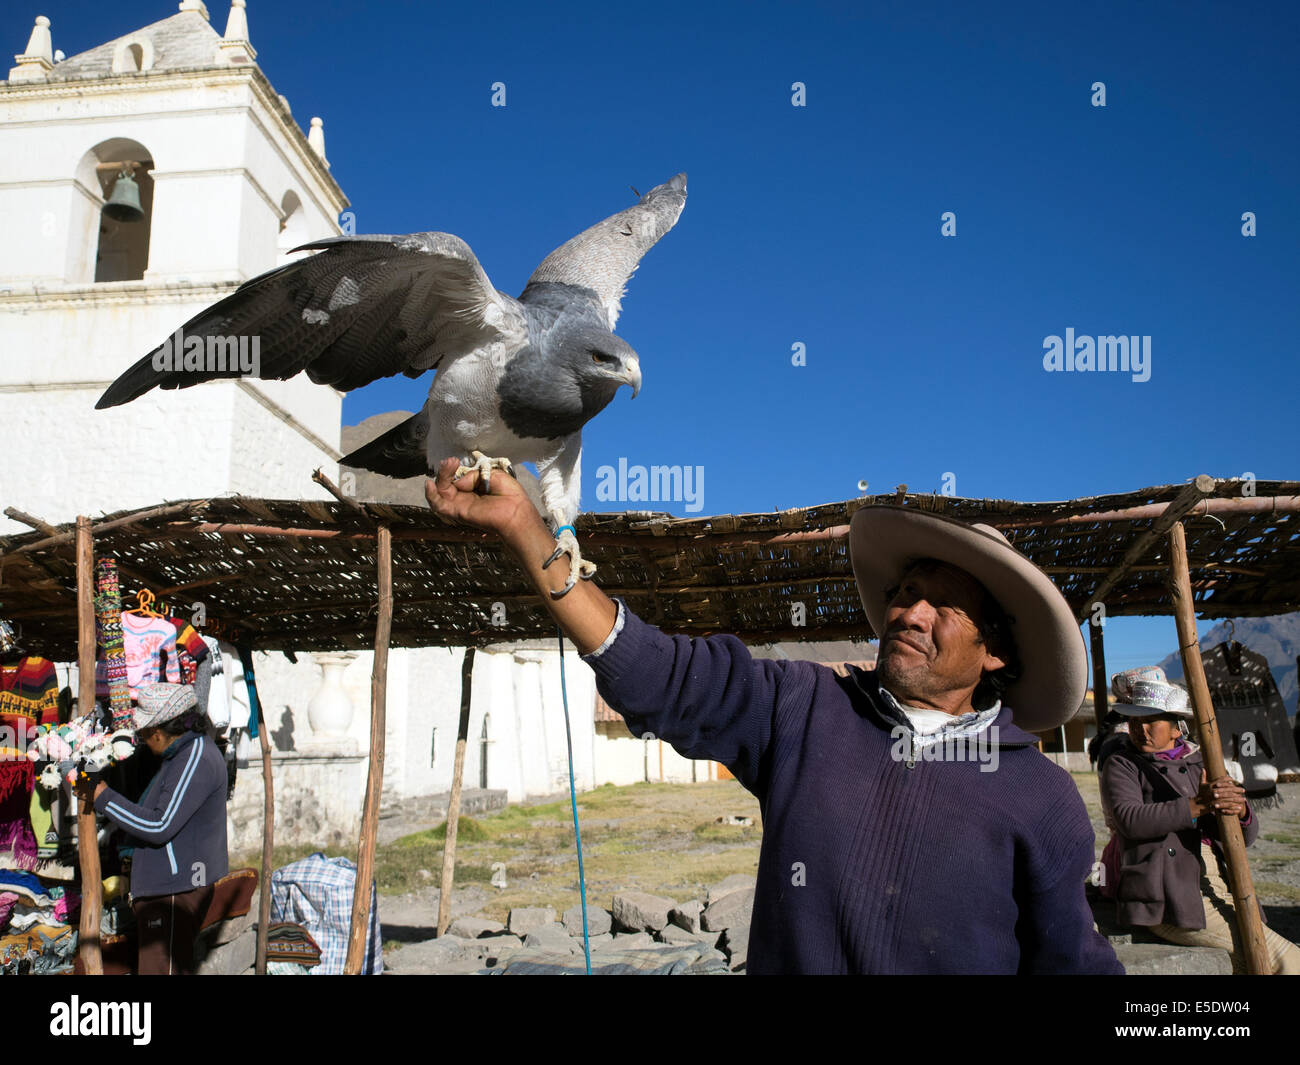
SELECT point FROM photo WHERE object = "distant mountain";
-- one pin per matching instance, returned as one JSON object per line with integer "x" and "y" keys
{"x": 1276, "y": 638}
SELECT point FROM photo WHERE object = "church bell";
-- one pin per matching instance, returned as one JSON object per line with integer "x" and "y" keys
{"x": 124, "y": 204}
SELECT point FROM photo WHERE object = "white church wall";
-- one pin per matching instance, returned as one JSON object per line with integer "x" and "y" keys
{"x": 318, "y": 409}
{"x": 269, "y": 462}
{"x": 33, "y": 220}
{"x": 62, "y": 458}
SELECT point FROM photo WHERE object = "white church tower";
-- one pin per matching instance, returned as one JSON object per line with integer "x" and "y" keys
{"x": 140, "y": 182}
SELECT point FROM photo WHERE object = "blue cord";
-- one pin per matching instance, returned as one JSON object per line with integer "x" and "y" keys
{"x": 573, "y": 800}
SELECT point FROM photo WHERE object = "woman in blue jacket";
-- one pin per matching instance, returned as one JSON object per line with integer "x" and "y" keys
{"x": 178, "y": 828}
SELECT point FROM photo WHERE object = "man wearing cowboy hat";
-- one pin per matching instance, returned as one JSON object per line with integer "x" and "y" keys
{"x": 887, "y": 848}
{"x": 178, "y": 828}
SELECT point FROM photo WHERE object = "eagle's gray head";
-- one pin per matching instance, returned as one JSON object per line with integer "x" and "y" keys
{"x": 596, "y": 360}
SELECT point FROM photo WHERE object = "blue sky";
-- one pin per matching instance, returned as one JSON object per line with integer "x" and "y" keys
{"x": 820, "y": 224}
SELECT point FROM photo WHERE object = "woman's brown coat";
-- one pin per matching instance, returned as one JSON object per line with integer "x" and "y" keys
{"x": 1145, "y": 800}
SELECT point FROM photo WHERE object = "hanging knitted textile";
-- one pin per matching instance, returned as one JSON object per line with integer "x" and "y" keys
{"x": 17, "y": 841}
{"x": 108, "y": 619}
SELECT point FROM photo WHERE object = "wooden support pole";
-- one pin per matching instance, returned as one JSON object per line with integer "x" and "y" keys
{"x": 1100, "y": 682}
{"x": 359, "y": 936}
{"x": 1234, "y": 847}
{"x": 453, "y": 804}
{"x": 92, "y": 886}
{"x": 268, "y": 845}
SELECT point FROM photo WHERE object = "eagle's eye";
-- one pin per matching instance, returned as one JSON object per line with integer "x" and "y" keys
{"x": 601, "y": 358}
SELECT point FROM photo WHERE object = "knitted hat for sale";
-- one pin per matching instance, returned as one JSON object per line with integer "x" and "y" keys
{"x": 159, "y": 703}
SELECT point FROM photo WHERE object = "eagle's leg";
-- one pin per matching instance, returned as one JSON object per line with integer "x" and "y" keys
{"x": 483, "y": 466}
{"x": 567, "y": 544}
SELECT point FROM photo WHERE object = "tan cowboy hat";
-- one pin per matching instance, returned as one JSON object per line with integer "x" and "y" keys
{"x": 883, "y": 540}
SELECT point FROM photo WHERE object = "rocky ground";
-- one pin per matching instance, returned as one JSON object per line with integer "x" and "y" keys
{"x": 659, "y": 858}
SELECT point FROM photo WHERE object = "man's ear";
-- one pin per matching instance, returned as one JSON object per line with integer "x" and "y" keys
{"x": 992, "y": 663}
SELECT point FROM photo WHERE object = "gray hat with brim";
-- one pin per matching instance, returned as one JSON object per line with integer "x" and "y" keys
{"x": 884, "y": 540}
{"x": 156, "y": 704}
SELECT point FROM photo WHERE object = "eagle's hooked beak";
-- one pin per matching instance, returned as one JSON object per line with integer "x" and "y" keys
{"x": 633, "y": 375}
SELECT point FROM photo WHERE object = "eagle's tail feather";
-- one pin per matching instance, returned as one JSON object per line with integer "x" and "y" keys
{"x": 400, "y": 452}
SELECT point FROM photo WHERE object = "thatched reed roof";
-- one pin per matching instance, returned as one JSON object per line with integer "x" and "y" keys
{"x": 300, "y": 575}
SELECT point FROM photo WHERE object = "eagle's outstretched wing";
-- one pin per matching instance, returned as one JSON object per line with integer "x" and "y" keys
{"x": 361, "y": 309}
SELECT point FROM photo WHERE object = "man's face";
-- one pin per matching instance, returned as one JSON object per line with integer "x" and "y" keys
{"x": 931, "y": 653}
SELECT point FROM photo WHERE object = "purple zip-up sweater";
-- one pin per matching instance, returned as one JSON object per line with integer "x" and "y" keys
{"x": 869, "y": 866}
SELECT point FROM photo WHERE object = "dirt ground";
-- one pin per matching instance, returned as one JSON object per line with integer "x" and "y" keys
{"x": 661, "y": 838}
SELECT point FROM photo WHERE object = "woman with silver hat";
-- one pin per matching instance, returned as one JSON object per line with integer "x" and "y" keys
{"x": 1164, "y": 863}
{"x": 178, "y": 828}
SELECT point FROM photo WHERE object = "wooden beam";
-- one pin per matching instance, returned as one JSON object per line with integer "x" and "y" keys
{"x": 104, "y": 526}
{"x": 1234, "y": 847}
{"x": 92, "y": 886}
{"x": 453, "y": 804}
{"x": 1187, "y": 498}
{"x": 1233, "y": 506}
{"x": 457, "y": 536}
{"x": 35, "y": 523}
{"x": 359, "y": 937}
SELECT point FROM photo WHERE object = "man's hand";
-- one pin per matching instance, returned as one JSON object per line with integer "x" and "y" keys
{"x": 585, "y": 613}
{"x": 504, "y": 510}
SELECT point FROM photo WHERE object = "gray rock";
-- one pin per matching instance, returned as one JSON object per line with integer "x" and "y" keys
{"x": 527, "y": 918}
{"x": 554, "y": 937}
{"x": 735, "y": 944}
{"x": 598, "y": 921}
{"x": 637, "y": 911}
{"x": 731, "y": 909}
{"x": 632, "y": 941}
{"x": 680, "y": 937}
{"x": 231, "y": 959}
{"x": 498, "y": 948}
{"x": 735, "y": 882}
{"x": 473, "y": 927}
{"x": 599, "y": 942}
{"x": 450, "y": 954}
{"x": 1166, "y": 959}
{"x": 687, "y": 915}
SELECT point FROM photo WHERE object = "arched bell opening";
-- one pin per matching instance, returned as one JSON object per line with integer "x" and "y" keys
{"x": 122, "y": 174}
{"x": 293, "y": 228}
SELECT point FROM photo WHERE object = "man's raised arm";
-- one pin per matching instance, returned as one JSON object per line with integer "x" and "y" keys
{"x": 706, "y": 696}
